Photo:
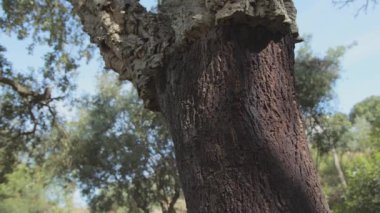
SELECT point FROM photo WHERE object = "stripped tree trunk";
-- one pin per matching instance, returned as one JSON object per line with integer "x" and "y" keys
{"x": 240, "y": 145}
{"x": 221, "y": 72}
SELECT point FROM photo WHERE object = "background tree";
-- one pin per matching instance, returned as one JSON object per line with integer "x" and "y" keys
{"x": 33, "y": 189}
{"x": 331, "y": 137}
{"x": 22, "y": 112}
{"x": 363, "y": 192}
{"x": 315, "y": 78}
{"x": 357, "y": 155}
{"x": 369, "y": 109}
{"x": 122, "y": 151}
{"x": 28, "y": 98}
{"x": 47, "y": 23}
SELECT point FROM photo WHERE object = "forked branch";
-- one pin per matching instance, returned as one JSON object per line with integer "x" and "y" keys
{"x": 31, "y": 99}
{"x": 362, "y": 8}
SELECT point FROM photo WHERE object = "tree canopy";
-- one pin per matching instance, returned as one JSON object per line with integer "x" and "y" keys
{"x": 122, "y": 150}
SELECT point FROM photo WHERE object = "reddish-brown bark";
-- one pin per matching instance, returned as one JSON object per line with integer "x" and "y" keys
{"x": 240, "y": 145}
{"x": 228, "y": 96}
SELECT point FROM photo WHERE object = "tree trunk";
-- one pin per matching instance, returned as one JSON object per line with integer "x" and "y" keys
{"x": 339, "y": 168}
{"x": 240, "y": 145}
{"x": 225, "y": 86}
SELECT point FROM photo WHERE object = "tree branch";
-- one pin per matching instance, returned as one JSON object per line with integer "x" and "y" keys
{"x": 173, "y": 201}
{"x": 32, "y": 99}
{"x": 25, "y": 92}
{"x": 132, "y": 41}
{"x": 20, "y": 89}
{"x": 363, "y": 8}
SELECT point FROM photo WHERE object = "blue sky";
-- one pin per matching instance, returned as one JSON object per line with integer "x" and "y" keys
{"x": 329, "y": 27}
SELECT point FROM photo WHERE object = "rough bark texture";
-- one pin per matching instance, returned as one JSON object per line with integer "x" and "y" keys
{"x": 190, "y": 19}
{"x": 221, "y": 73}
{"x": 131, "y": 40}
{"x": 239, "y": 141}
{"x": 134, "y": 42}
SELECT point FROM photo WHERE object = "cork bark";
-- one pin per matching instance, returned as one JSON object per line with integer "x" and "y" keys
{"x": 221, "y": 72}
{"x": 240, "y": 144}
{"x": 135, "y": 42}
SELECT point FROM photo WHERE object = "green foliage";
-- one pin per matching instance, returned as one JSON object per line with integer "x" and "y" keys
{"x": 330, "y": 181}
{"x": 121, "y": 154}
{"x": 359, "y": 157}
{"x": 359, "y": 137}
{"x": 46, "y": 22}
{"x": 331, "y": 137}
{"x": 52, "y": 26}
{"x": 332, "y": 132}
{"x": 363, "y": 193}
{"x": 130, "y": 167}
{"x": 315, "y": 77}
{"x": 314, "y": 81}
{"x": 369, "y": 109}
{"x": 31, "y": 190}
{"x": 9, "y": 113}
